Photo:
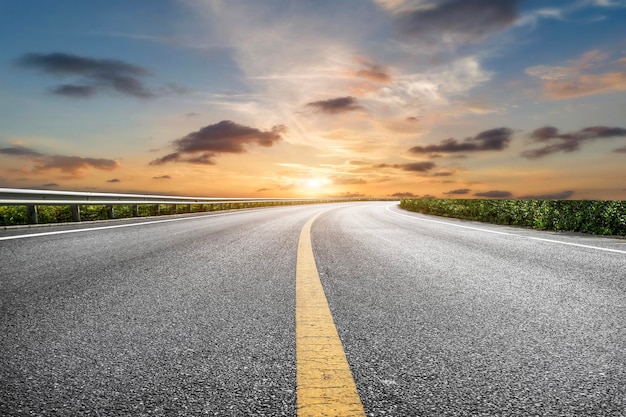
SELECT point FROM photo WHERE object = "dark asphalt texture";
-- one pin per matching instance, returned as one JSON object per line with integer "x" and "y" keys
{"x": 193, "y": 317}
{"x": 197, "y": 317}
{"x": 445, "y": 321}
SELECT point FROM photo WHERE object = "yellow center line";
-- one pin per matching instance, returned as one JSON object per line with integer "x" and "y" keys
{"x": 325, "y": 383}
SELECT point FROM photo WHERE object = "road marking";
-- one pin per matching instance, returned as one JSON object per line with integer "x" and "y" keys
{"x": 580, "y": 245}
{"x": 325, "y": 386}
{"x": 117, "y": 226}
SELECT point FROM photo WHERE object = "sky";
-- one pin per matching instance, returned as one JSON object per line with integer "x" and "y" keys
{"x": 315, "y": 98}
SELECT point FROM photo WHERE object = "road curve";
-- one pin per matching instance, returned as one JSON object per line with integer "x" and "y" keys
{"x": 197, "y": 316}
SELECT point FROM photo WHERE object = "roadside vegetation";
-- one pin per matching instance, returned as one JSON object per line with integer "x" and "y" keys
{"x": 17, "y": 215}
{"x": 587, "y": 216}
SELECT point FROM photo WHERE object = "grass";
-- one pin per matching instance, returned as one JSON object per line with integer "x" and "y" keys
{"x": 600, "y": 217}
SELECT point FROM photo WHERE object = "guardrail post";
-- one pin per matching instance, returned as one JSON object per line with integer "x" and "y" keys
{"x": 31, "y": 214}
{"x": 188, "y": 208}
{"x": 157, "y": 209}
{"x": 110, "y": 212}
{"x": 135, "y": 210}
{"x": 75, "y": 212}
{"x": 176, "y": 208}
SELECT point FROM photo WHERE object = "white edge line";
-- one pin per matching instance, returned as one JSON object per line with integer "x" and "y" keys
{"x": 508, "y": 234}
{"x": 62, "y": 232}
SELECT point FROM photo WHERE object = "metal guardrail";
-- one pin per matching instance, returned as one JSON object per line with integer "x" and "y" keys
{"x": 33, "y": 198}
{"x": 20, "y": 197}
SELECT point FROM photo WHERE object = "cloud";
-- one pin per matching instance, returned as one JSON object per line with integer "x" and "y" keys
{"x": 443, "y": 174}
{"x": 546, "y": 72}
{"x": 336, "y": 105}
{"x": 173, "y": 88}
{"x": 494, "y": 194}
{"x": 552, "y": 196}
{"x": 418, "y": 166}
{"x": 346, "y": 180}
{"x": 620, "y": 150}
{"x": 404, "y": 195}
{"x": 94, "y": 75}
{"x": 460, "y": 191}
{"x": 50, "y": 184}
{"x": 532, "y": 17}
{"x": 392, "y": 5}
{"x": 72, "y": 164}
{"x": 61, "y": 64}
{"x": 162, "y": 177}
{"x": 489, "y": 140}
{"x": 573, "y": 80}
{"x": 373, "y": 72}
{"x": 457, "y": 21}
{"x": 568, "y": 142}
{"x": 585, "y": 85}
{"x": 423, "y": 166}
{"x": 370, "y": 78}
{"x": 114, "y": 180}
{"x": 353, "y": 162}
{"x": 281, "y": 71}
{"x": 69, "y": 164}
{"x": 608, "y": 3}
{"x": 77, "y": 91}
{"x": 427, "y": 94}
{"x": 572, "y": 68}
{"x": 203, "y": 146}
{"x": 18, "y": 150}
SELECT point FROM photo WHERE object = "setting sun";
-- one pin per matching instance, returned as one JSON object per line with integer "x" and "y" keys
{"x": 316, "y": 182}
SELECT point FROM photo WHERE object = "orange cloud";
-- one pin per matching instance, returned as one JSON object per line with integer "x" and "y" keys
{"x": 590, "y": 60}
{"x": 369, "y": 77}
{"x": 585, "y": 85}
{"x": 373, "y": 71}
{"x": 570, "y": 81}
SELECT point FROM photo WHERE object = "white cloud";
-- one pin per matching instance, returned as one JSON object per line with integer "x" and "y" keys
{"x": 609, "y": 3}
{"x": 546, "y": 72}
{"x": 533, "y": 17}
{"x": 436, "y": 85}
{"x": 289, "y": 62}
{"x": 589, "y": 60}
{"x": 397, "y": 6}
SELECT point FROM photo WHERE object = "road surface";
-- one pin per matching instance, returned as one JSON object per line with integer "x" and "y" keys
{"x": 197, "y": 316}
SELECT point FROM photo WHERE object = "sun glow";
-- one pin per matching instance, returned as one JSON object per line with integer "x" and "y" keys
{"x": 316, "y": 183}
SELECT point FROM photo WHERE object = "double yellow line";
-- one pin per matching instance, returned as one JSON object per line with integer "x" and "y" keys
{"x": 325, "y": 386}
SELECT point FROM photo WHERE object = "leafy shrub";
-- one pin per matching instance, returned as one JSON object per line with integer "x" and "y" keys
{"x": 13, "y": 215}
{"x": 588, "y": 216}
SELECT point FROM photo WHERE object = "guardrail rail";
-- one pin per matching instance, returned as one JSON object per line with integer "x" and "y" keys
{"x": 75, "y": 199}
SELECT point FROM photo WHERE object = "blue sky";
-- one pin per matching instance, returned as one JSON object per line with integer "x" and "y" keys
{"x": 444, "y": 98}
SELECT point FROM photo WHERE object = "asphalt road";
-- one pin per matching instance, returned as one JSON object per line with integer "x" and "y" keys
{"x": 438, "y": 317}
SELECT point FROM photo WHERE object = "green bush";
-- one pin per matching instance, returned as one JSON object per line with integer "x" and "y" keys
{"x": 587, "y": 216}
{"x": 13, "y": 215}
